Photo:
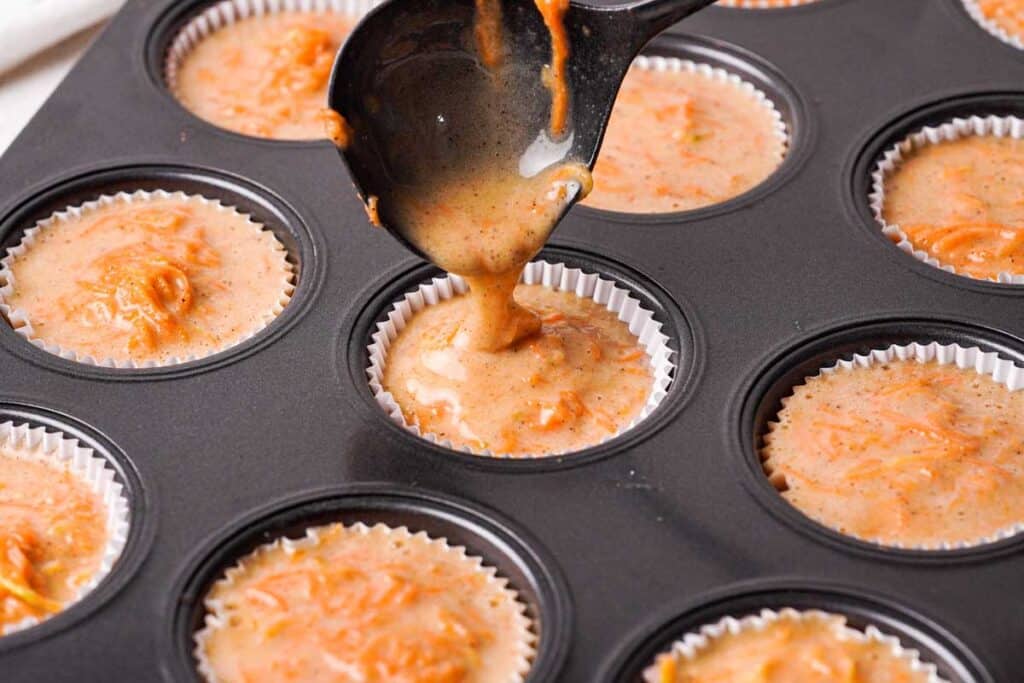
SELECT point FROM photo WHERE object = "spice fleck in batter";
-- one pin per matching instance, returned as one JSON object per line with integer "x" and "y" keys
{"x": 909, "y": 453}
{"x": 961, "y": 202}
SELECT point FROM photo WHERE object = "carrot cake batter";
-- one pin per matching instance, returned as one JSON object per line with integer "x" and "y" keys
{"x": 682, "y": 140}
{"x": 52, "y": 536}
{"x": 908, "y": 453}
{"x": 577, "y": 382}
{"x": 374, "y": 605}
{"x": 150, "y": 281}
{"x": 960, "y": 201}
{"x": 804, "y": 648}
{"x": 1006, "y": 14}
{"x": 265, "y": 75}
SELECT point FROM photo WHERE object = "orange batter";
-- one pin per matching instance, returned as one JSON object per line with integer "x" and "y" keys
{"x": 487, "y": 225}
{"x": 150, "y": 281}
{"x": 578, "y": 381}
{"x": 1006, "y": 14}
{"x": 52, "y": 535}
{"x": 369, "y": 605}
{"x": 336, "y": 127}
{"x": 961, "y": 202}
{"x": 807, "y": 648}
{"x": 682, "y": 140}
{"x": 906, "y": 453}
{"x": 265, "y": 75}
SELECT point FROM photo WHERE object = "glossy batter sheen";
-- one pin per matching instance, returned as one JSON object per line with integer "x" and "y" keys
{"x": 487, "y": 227}
{"x": 152, "y": 280}
{"x": 577, "y": 382}
{"x": 961, "y": 202}
{"x": 52, "y": 535}
{"x": 796, "y": 650}
{"x": 1006, "y": 14}
{"x": 265, "y": 75}
{"x": 373, "y": 607}
{"x": 679, "y": 140}
{"x": 910, "y": 453}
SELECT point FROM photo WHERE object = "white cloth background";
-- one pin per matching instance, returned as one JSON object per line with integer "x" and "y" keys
{"x": 39, "y": 42}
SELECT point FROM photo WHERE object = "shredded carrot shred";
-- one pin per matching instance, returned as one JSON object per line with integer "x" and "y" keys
{"x": 893, "y": 451}
{"x": 553, "y": 12}
{"x": 487, "y": 29}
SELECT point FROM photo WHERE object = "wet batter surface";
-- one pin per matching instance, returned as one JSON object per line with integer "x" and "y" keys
{"x": 961, "y": 202}
{"x": 576, "y": 382}
{"x": 266, "y": 75}
{"x": 53, "y": 532}
{"x": 487, "y": 228}
{"x": 1006, "y": 14}
{"x": 903, "y": 453}
{"x": 370, "y": 605}
{"x": 680, "y": 140}
{"x": 150, "y": 281}
{"x": 807, "y": 649}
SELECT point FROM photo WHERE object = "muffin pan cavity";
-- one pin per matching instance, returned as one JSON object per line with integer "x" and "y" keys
{"x": 107, "y": 471}
{"x": 483, "y": 533}
{"x": 933, "y": 643}
{"x": 728, "y": 63}
{"x": 660, "y": 326}
{"x": 188, "y": 23}
{"x": 997, "y": 114}
{"x": 1001, "y": 357}
{"x": 139, "y": 183}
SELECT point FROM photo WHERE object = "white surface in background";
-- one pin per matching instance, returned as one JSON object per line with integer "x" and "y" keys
{"x": 29, "y": 26}
{"x": 24, "y": 89}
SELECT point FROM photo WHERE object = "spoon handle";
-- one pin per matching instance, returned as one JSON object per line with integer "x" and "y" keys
{"x": 654, "y": 16}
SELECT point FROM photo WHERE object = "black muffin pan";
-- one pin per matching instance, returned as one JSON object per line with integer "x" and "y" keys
{"x": 620, "y": 549}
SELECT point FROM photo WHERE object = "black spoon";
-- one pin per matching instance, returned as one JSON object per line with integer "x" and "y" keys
{"x": 411, "y": 84}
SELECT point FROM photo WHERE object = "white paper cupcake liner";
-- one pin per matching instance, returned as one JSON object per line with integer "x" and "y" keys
{"x": 55, "y": 449}
{"x": 974, "y": 10}
{"x": 556, "y": 276}
{"x": 995, "y": 126}
{"x": 986, "y": 363}
{"x": 20, "y": 319}
{"x": 719, "y": 75}
{"x": 690, "y": 645}
{"x": 227, "y": 12}
{"x": 216, "y": 616}
{"x": 763, "y": 4}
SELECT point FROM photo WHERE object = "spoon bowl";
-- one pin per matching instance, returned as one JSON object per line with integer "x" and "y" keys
{"x": 413, "y": 86}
